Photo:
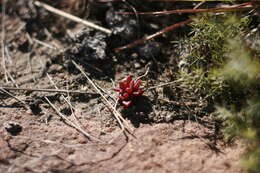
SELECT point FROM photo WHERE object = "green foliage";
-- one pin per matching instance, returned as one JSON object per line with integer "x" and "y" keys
{"x": 222, "y": 62}
{"x": 206, "y": 50}
{"x": 243, "y": 120}
{"x": 242, "y": 67}
{"x": 242, "y": 123}
{"x": 209, "y": 37}
{"x": 252, "y": 159}
{"x": 205, "y": 85}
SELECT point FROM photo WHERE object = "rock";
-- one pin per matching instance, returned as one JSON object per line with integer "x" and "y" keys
{"x": 13, "y": 128}
{"x": 89, "y": 46}
{"x": 124, "y": 26}
{"x": 137, "y": 65}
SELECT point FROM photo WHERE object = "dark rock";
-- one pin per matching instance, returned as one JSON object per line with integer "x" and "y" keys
{"x": 88, "y": 45}
{"x": 13, "y": 128}
{"x": 35, "y": 107}
{"x": 124, "y": 26}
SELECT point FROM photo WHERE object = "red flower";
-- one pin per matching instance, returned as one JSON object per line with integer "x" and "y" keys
{"x": 128, "y": 90}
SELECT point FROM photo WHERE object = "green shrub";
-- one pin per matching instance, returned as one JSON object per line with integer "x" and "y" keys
{"x": 205, "y": 51}
{"x": 208, "y": 44}
{"x": 222, "y": 61}
{"x": 242, "y": 71}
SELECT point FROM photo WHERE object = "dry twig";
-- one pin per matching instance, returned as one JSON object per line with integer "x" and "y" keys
{"x": 72, "y": 17}
{"x": 122, "y": 122}
{"x": 11, "y": 95}
{"x": 72, "y": 123}
{"x": 3, "y": 40}
{"x": 161, "y": 85}
{"x": 46, "y": 90}
{"x": 157, "y": 34}
{"x": 69, "y": 103}
{"x": 44, "y": 44}
{"x": 243, "y": 6}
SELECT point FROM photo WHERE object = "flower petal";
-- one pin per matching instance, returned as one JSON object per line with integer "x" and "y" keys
{"x": 126, "y": 96}
{"x": 128, "y": 79}
{"x": 121, "y": 98}
{"x": 127, "y": 103}
{"x": 117, "y": 89}
{"x": 122, "y": 85}
{"x": 129, "y": 90}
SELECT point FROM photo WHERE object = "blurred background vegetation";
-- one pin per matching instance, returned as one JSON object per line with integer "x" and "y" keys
{"x": 221, "y": 58}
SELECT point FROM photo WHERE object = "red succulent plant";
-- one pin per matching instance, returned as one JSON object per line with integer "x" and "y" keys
{"x": 128, "y": 90}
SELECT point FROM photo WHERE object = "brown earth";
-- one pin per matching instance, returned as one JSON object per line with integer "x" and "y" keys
{"x": 34, "y": 139}
{"x": 54, "y": 147}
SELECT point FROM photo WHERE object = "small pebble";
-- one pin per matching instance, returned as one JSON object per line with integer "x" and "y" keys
{"x": 169, "y": 118}
{"x": 18, "y": 116}
{"x": 109, "y": 130}
{"x": 137, "y": 65}
{"x": 13, "y": 128}
{"x": 82, "y": 140}
{"x": 134, "y": 55}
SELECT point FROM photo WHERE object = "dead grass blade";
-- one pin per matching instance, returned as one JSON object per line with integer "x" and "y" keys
{"x": 13, "y": 96}
{"x": 3, "y": 40}
{"x": 46, "y": 90}
{"x": 122, "y": 122}
{"x": 72, "y": 124}
{"x": 69, "y": 103}
{"x": 72, "y": 17}
{"x": 243, "y": 6}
